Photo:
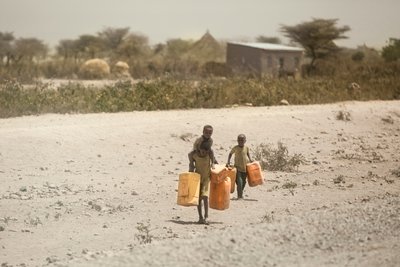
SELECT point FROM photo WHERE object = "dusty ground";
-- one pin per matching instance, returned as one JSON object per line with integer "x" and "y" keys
{"x": 75, "y": 189}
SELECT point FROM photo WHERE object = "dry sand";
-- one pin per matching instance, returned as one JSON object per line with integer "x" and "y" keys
{"x": 75, "y": 189}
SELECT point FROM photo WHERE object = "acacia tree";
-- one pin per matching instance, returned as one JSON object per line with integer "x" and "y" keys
{"x": 391, "y": 52}
{"x": 90, "y": 46}
{"x": 133, "y": 46}
{"x": 174, "y": 57}
{"x": 68, "y": 49}
{"x": 135, "y": 50}
{"x": 113, "y": 37}
{"x": 30, "y": 49}
{"x": 316, "y": 37}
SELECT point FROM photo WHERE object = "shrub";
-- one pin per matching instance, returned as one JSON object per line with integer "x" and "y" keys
{"x": 94, "y": 69}
{"x": 396, "y": 172}
{"x": 277, "y": 159}
{"x": 343, "y": 116}
{"x": 143, "y": 235}
{"x": 289, "y": 185}
{"x": 167, "y": 92}
{"x": 339, "y": 179}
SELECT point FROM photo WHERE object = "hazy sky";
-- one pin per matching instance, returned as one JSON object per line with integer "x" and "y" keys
{"x": 372, "y": 22}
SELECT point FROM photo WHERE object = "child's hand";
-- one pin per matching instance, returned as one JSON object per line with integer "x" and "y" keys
{"x": 212, "y": 166}
{"x": 191, "y": 167}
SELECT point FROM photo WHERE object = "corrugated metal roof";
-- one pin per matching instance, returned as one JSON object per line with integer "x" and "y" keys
{"x": 268, "y": 46}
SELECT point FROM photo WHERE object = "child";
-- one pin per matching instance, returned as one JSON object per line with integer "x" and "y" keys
{"x": 202, "y": 165}
{"x": 206, "y": 137}
{"x": 241, "y": 153}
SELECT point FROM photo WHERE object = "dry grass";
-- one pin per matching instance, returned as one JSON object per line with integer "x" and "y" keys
{"x": 277, "y": 159}
{"x": 167, "y": 93}
{"x": 143, "y": 235}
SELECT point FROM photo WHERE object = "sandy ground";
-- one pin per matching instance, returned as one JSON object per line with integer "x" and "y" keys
{"x": 75, "y": 189}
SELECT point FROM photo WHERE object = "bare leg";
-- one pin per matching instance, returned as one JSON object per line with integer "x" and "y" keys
{"x": 199, "y": 211}
{"x": 239, "y": 186}
{"x": 205, "y": 200}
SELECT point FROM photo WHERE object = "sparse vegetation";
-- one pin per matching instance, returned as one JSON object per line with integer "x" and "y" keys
{"x": 388, "y": 180}
{"x": 277, "y": 159}
{"x": 6, "y": 219}
{"x": 167, "y": 92}
{"x": 339, "y": 180}
{"x": 388, "y": 119}
{"x": 289, "y": 185}
{"x": 268, "y": 217}
{"x": 143, "y": 235}
{"x": 186, "y": 136}
{"x": 396, "y": 172}
{"x": 33, "y": 221}
{"x": 343, "y": 116}
{"x": 367, "y": 155}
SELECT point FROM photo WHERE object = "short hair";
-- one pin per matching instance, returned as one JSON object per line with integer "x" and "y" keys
{"x": 241, "y": 136}
{"x": 207, "y": 127}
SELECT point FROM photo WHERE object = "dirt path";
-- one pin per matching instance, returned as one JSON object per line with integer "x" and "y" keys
{"x": 75, "y": 188}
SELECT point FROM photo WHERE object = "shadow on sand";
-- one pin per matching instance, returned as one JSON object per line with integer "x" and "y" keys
{"x": 243, "y": 199}
{"x": 192, "y": 222}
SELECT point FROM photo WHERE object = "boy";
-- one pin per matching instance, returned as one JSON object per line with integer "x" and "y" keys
{"x": 241, "y": 153}
{"x": 206, "y": 137}
{"x": 202, "y": 165}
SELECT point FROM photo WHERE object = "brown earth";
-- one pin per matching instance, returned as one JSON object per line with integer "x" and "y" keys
{"x": 75, "y": 189}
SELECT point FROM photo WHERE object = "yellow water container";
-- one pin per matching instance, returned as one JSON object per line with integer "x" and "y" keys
{"x": 231, "y": 173}
{"x": 220, "y": 194}
{"x": 188, "y": 189}
{"x": 254, "y": 174}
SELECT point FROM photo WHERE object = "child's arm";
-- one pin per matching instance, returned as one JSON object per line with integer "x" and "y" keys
{"x": 248, "y": 155}
{"x": 228, "y": 163}
{"x": 212, "y": 156}
{"x": 191, "y": 161}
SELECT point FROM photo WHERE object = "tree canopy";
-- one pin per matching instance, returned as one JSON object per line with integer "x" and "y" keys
{"x": 391, "y": 52}
{"x": 316, "y": 36}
